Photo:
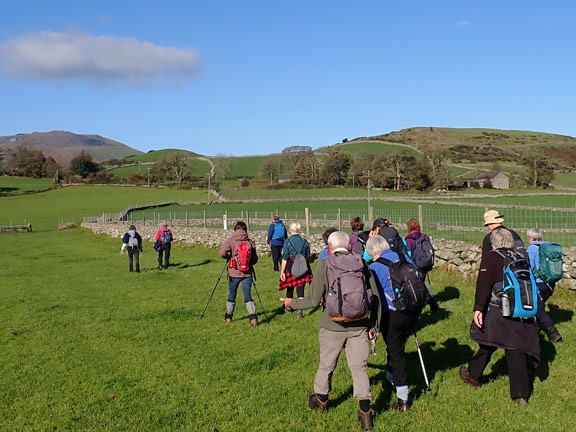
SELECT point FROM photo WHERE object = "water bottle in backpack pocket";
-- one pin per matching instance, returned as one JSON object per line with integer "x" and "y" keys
{"x": 410, "y": 292}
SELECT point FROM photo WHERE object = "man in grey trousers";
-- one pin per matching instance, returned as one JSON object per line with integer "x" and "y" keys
{"x": 352, "y": 336}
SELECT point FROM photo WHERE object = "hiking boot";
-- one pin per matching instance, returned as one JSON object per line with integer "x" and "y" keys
{"x": 366, "y": 419}
{"x": 388, "y": 386}
{"x": 254, "y": 322}
{"x": 159, "y": 267}
{"x": 300, "y": 314}
{"x": 553, "y": 334}
{"x": 521, "y": 401}
{"x": 465, "y": 376}
{"x": 288, "y": 310}
{"x": 314, "y": 402}
{"x": 401, "y": 405}
{"x": 228, "y": 318}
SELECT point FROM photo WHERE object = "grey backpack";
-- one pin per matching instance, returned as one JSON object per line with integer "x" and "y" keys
{"x": 349, "y": 297}
{"x": 133, "y": 242}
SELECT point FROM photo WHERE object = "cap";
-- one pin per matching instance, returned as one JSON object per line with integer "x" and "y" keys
{"x": 380, "y": 222}
{"x": 493, "y": 217}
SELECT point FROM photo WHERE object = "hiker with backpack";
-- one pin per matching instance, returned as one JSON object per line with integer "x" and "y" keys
{"x": 550, "y": 256}
{"x": 357, "y": 240}
{"x": 163, "y": 245}
{"x": 296, "y": 271}
{"x": 494, "y": 221}
{"x": 378, "y": 224}
{"x": 275, "y": 240}
{"x": 504, "y": 309}
{"x": 420, "y": 246}
{"x": 403, "y": 295}
{"x": 344, "y": 286}
{"x": 240, "y": 250}
{"x": 132, "y": 242}
{"x": 326, "y": 251}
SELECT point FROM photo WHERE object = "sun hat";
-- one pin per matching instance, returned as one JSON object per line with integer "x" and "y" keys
{"x": 493, "y": 217}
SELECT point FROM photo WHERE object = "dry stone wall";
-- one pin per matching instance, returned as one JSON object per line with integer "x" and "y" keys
{"x": 452, "y": 255}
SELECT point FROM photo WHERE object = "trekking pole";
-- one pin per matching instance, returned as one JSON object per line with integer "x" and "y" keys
{"x": 422, "y": 362}
{"x": 433, "y": 303}
{"x": 258, "y": 294}
{"x": 217, "y": 282}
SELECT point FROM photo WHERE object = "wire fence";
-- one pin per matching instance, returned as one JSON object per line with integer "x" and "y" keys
{"x": 451, "y": 223}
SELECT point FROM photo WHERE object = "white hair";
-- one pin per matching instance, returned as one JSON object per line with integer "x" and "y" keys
{"x": 534, "y": 233}
{"x": 295, "y": 228}
{"x": 376, "y": 245}
{"x": 339, "y": 239}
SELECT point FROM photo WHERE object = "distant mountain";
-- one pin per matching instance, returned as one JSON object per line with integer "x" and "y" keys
{"x": 424, "y": 138}
{"x": 63, "y": 146}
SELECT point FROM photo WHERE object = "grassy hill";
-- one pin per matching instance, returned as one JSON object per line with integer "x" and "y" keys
{"x": 156, "y": 155}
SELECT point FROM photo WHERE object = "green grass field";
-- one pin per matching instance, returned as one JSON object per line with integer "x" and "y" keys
{"x": 373, "y": 147}
{"x": 87, "y": 346}
{"x": 197, "y": 167}
{"x": 156, "y": 155}
{"x": 19, "y": 185}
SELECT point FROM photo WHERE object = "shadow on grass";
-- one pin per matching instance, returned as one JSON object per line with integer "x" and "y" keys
{"x": 448, "y": 293}
{"x": 449, "y": 355}
{"x": 558, "y": 314}
{"x": 179, "y": 265}
{"x": 428, "y": 318}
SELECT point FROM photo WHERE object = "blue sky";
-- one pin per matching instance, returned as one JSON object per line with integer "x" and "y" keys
{"x": 254, "y": 77}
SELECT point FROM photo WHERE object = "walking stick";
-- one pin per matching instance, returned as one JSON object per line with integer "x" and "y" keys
{"x": 422, "y": 362}
{"x": 217, "y": 282}
{"x": 258, "y": 294}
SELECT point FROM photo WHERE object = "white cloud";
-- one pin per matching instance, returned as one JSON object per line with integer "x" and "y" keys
{"x": 96, "y": 59}
{"x": 463, "y": 24}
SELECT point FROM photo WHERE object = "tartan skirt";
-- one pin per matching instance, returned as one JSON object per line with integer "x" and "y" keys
{"x": 291, "y": 281}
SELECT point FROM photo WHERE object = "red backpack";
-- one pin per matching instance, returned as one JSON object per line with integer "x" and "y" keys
{"x": 241, "y": 256}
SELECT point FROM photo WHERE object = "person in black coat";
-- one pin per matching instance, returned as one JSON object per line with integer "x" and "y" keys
{"x": 133, "y": 243}
{"x": 519, "y": 337}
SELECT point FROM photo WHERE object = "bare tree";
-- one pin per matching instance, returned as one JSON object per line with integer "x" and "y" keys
{"x": 222, "y": 166}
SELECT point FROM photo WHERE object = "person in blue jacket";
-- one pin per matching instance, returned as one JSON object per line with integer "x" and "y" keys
{"x": 275, "y": 240}
{"x": 396, "y": 326}
{"x": 544, "y": 320}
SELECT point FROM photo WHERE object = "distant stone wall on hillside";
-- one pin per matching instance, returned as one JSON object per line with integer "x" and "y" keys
{"x": 452, "y": 255}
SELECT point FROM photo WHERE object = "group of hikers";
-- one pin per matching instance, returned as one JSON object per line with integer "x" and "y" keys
{"x": 132, "y": 242}
{"x": 373, "y": 282}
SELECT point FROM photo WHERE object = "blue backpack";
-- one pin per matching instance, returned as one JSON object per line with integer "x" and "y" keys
{"x": 166, "y": 237}
{"x": 279, "y": 231}
{"x": 519, "y": 294}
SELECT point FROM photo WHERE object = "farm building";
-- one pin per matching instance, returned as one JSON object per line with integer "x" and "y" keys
{"x": 495, "y": 179}
{"x": 283, "y": 178}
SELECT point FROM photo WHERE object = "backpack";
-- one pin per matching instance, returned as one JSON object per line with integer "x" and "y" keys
{"x": 551, "y": 265}
{"x": 423, "y": 254}
{"x": 349, "y": 297}
{"x": 300, "y": 265}
{"x": 360, "y": 244}
{"x": 133, "y": 242}
{"x": 518, "y": 293}
{"x": 279, "y": 231}
{"x": 395, "y": 240}
{"x": 241, "y": 256}
{"x": 166, "y": 237}
{"x": 410, "y": 292}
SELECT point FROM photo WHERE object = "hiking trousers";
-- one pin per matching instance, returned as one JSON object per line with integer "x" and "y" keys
{"x": 133, "y": 256}
{"x": 544, "y": 320}
{"x": 356, "y": 344}
{"x": 517, "y": 369}
{"x": 276, "y": 256}
{"x": 246, "y": 288}
{"x": 398, "y": 326}
{"x": 165, "y": 250}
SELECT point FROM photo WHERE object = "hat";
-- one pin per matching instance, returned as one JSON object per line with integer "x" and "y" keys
{"x": 493, "y": 217}
{"x": 380, "y": 222}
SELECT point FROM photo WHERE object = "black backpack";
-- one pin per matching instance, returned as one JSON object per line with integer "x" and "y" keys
{"x": 423, "y": 254}
{"x": 410, "y": 293}
{"x": 395, "y": 240}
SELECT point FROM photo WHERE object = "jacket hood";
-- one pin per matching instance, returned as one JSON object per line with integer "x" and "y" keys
{"x": 132, "y": 233}
{"x": 239, "y": 235}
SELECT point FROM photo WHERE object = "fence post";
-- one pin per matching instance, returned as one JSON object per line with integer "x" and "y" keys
{"x": 186, "y": 218}
{"x": 420, "y": 217}
{"x": 144, "y": 220}
{"x": 307, "y": 213}
{"x": 226, "y": 220}
{"x": 371, "y": 214}
{"x": 248, "y": 219}
{"x": 204, "y": 218}
{"x": 339, "y": 219}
